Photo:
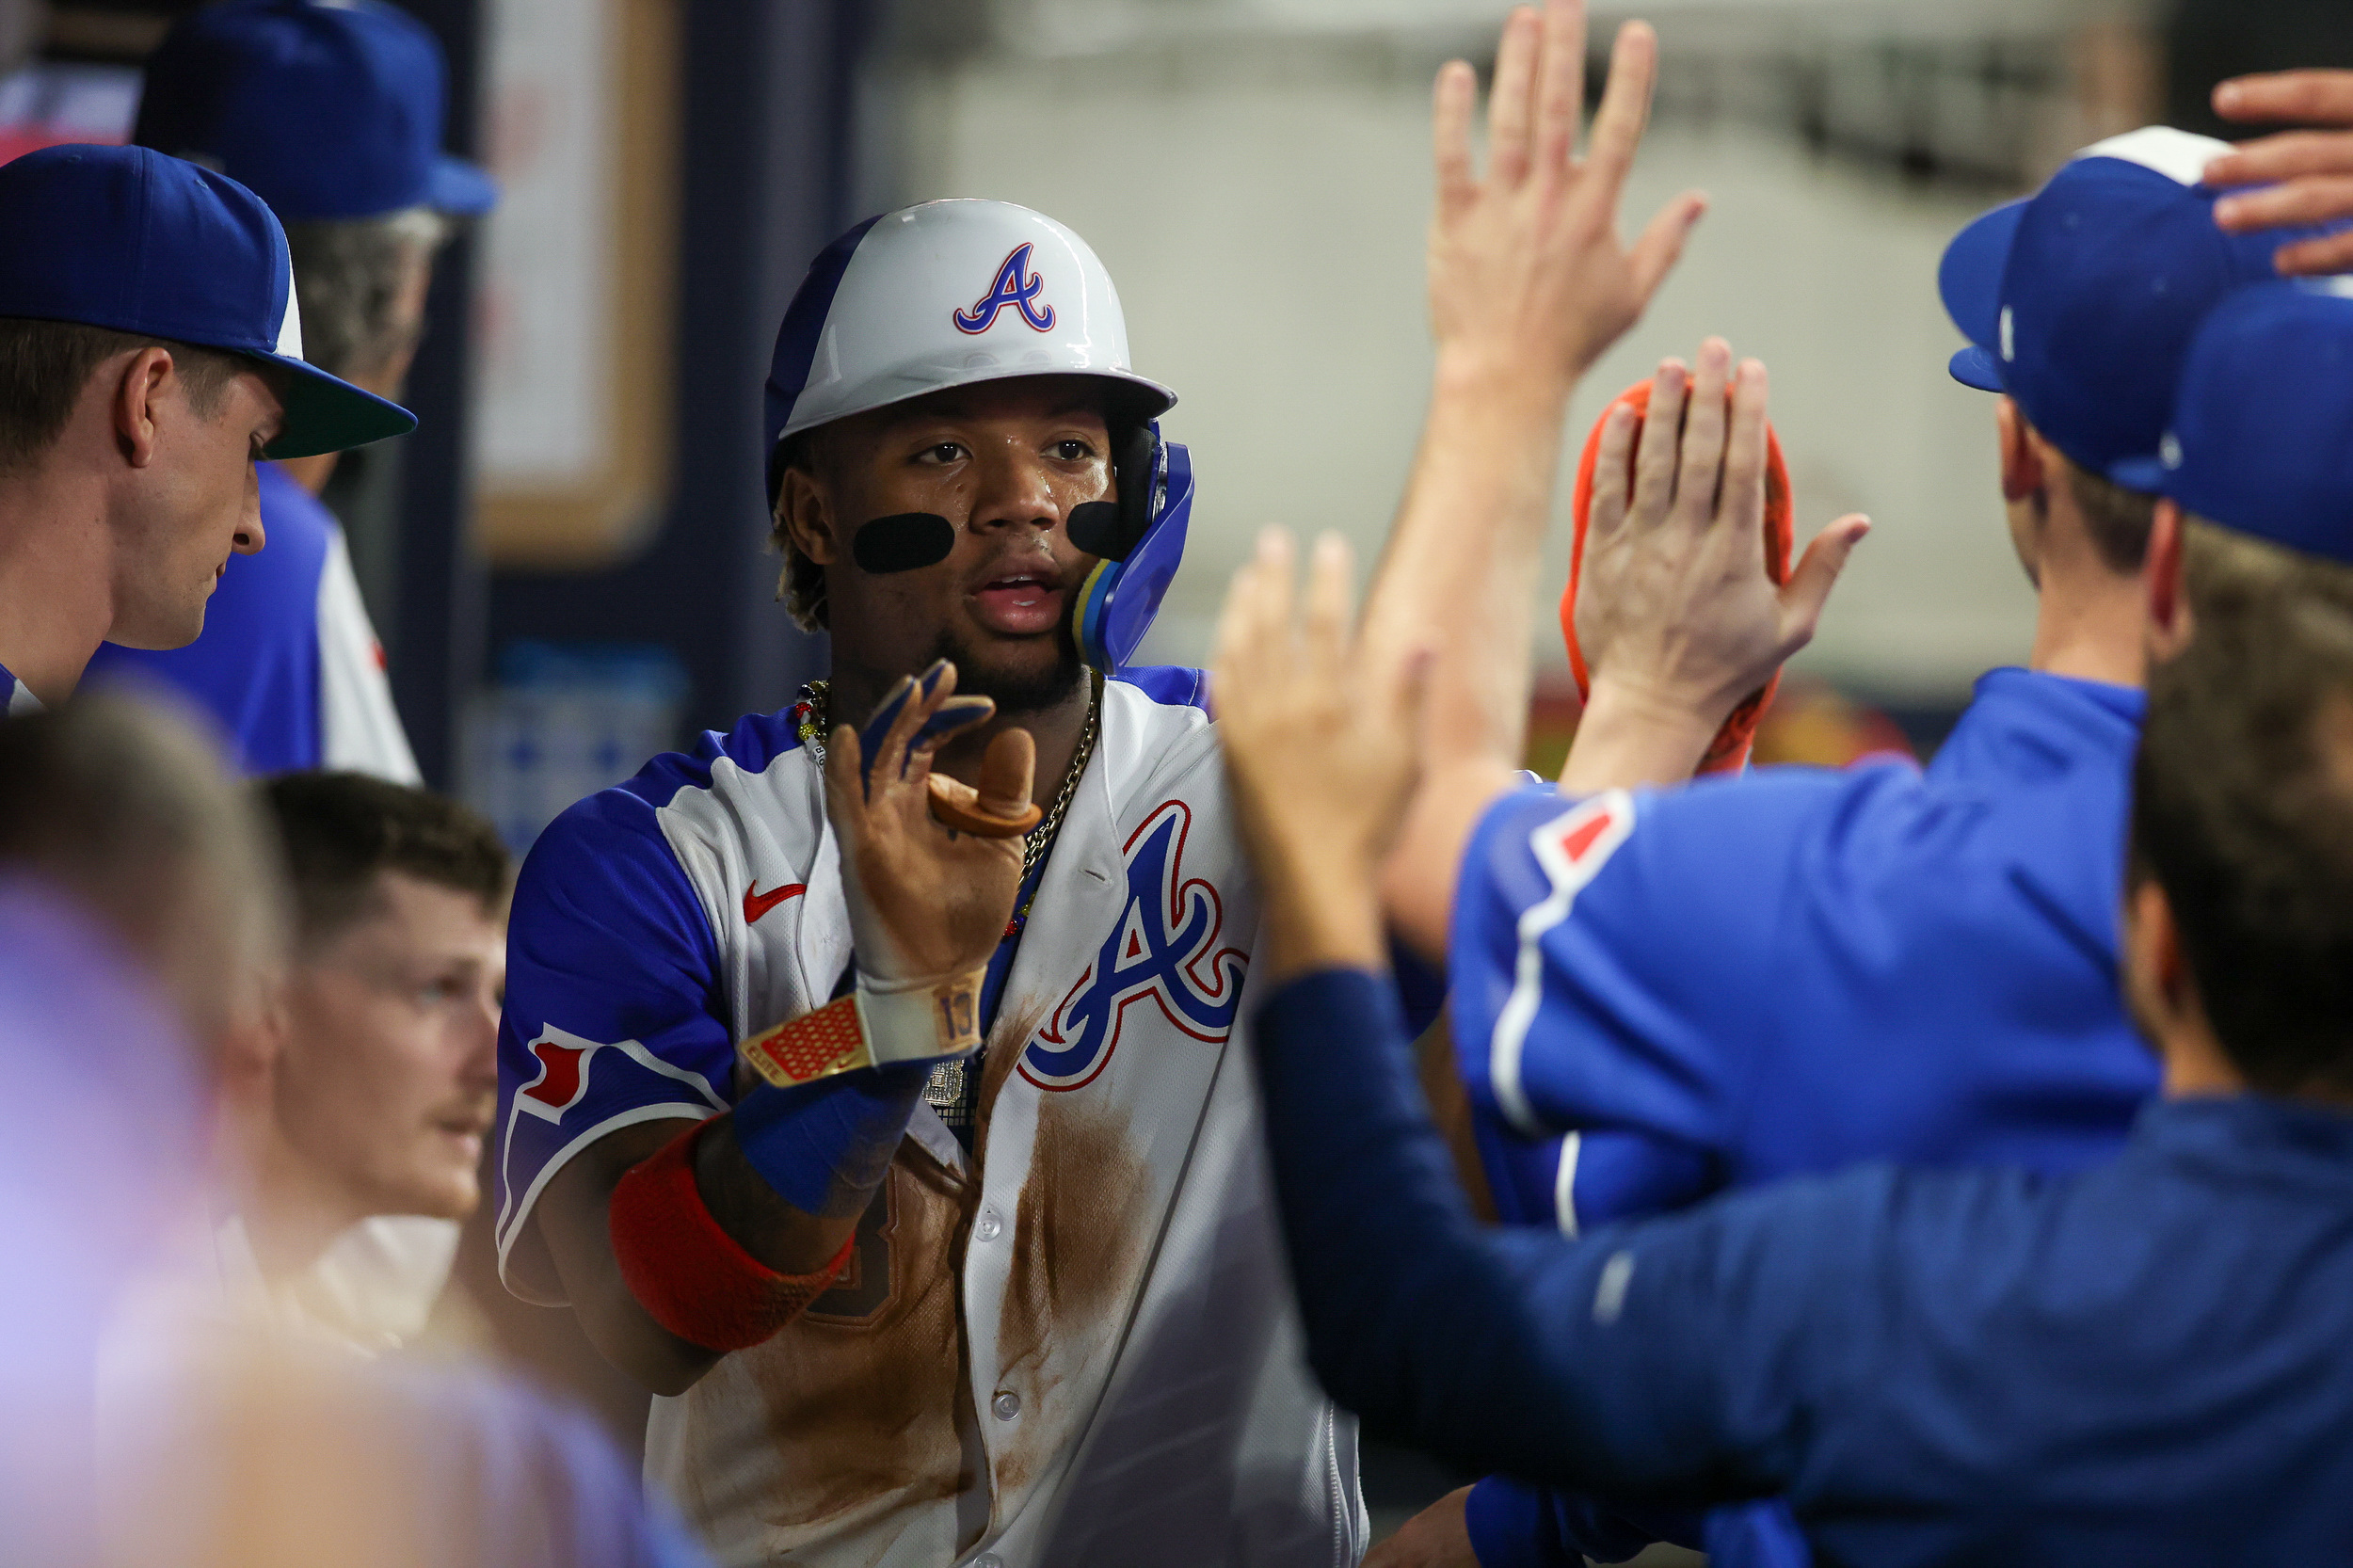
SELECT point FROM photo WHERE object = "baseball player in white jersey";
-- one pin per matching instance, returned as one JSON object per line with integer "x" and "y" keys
{"x": 1012, "y": 1305}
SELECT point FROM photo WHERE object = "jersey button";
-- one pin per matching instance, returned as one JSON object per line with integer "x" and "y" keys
{"x": 990, "y": 1227}
{"x": 988, "y": 1560}
{"x": 1007, "y": 1404}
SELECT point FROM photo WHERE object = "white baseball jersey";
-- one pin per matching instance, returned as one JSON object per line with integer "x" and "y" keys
{"x": 1076, "y": 1345}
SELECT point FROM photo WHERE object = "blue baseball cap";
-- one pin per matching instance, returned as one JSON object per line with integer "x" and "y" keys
{"x": 324, "y": 111}
{"x": 125, "y": 238}
{"x": 2261, "y": 440}
{"x": 2079, "y": 301}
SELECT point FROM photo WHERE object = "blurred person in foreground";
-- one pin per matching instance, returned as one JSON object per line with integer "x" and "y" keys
{"x": 2137, "y": 1363}
{"x": 371, "y": 1091}
{"x": 149, "y": 359}
{"x": 143, "y": 921}
{"x": 332, "y": 114}
{"x": 1712, "y": 1005}
{"x": 133, "y": 935}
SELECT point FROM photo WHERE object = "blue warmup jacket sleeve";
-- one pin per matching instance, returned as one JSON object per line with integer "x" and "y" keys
{"x": 1686, "y": 1360}
{"x": 1512, "y": 1525}
{"x": 1420, "y": 988}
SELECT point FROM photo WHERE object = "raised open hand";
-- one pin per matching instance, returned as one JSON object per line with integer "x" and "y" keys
{"x": 1676, "y": 613}
{"x": 1319, "y": 747}
{"x": 1528, "y": 273}
{"x": 925, "y": 901}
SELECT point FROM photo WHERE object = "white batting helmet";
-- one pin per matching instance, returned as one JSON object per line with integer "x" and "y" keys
{"x": 945, "y": 294}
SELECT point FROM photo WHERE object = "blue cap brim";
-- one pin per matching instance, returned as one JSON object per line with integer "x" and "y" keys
{"x": 460, "y": 189}
{"x": 324, "y": 413}
{"x": 1969, "y": 281}
{"x": 1974, "y": 367}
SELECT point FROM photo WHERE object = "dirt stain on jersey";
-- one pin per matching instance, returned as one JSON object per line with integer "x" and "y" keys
{"x": 871, "y": 1413}
{"x": 1016, "y": 1024}
{"x": 1079, "y": 1242}
{"x": 863, "y": 1415}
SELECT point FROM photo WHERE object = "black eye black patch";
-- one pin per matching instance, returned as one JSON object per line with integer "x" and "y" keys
{"x": 1094, "y": 527}
{"x": 904, "y": 541}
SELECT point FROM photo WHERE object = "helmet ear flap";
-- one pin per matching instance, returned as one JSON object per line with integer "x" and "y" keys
{"x": 1111, "y": 529}
{"x": 1135, "y": 460}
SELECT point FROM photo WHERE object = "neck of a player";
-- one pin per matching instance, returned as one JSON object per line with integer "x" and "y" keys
{"x": 1056, "y": 729}
{"x": 293, "y": 1209}
{"x": 57, "y": 576}
{"x": 2090, "y": 621}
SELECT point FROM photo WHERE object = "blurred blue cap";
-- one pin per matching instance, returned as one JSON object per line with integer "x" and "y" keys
{"x": 2080, "y": 301}
{"x": 125, "y": 238}
{"x": 324, "y": 111}
{"x": 2261, "y": 440}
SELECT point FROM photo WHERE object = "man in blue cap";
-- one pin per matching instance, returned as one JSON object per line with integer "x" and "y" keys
{"x": 333, "y": 116}
{"x": 150, "y": 356}
{"x": 1715, "y": 1006}
{"x": 2141, "y": 1362}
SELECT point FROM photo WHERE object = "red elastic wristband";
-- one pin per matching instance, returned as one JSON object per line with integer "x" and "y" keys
{"x": 689, "y": 1274}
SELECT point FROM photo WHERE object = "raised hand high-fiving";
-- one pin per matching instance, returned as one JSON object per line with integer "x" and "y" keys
{"x": 1676, "y": 613}
{"x": 1526, "y": 268}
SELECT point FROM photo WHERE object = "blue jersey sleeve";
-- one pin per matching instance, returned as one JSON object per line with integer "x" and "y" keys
{"x": 612, "y": 1012}
{"x": 1613, "y": 961}
{"x": 1692, "y": 1357}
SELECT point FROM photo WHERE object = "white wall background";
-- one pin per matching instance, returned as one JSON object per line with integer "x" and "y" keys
{"x": 1264, "y": 225}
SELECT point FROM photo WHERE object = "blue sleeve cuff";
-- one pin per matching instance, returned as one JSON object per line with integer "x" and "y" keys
{"x": 1506, "y": 1523}
{"x": 1420, "y": 988}
{"x": 823, "y": 1148}
{"x": 1513, "y": 1524}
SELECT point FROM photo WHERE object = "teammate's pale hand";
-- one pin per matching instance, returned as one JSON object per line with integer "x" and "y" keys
{"x": 2309, "y": 173}
{"x": 1527, "y": 271}
{"x": 1437, "y": 1537}
{"x": 1675, "y": 612}
{"x": 1318, "y": 740}
{"x": 924, "y": 901}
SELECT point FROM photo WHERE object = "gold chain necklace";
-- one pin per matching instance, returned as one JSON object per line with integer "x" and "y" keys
{"x": 814, "y": 723}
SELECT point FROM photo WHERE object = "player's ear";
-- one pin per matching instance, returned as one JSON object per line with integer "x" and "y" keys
{"x": 251, "y": 1047}
{"x": 132, "y": 402}
{"x": 2165, "y": 580}
{"x": 2021, "y": 464}
{"x": 804, "y": 517}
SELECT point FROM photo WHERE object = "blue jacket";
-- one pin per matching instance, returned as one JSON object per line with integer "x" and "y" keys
{"x": 2142, "y": 1363}
{"x": 1792, "y": 971}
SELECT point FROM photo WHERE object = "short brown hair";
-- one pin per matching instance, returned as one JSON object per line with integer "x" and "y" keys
{"x": 2243, "y": 806}
{"x": 45, "y": 364}
{"x": 2118, "y": 520}
{"x": 341, "y": 831}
